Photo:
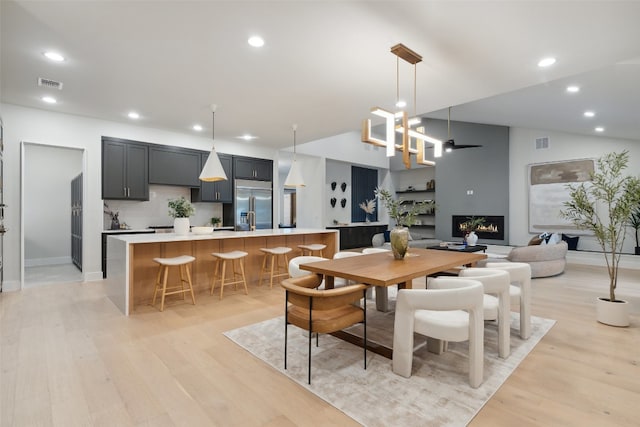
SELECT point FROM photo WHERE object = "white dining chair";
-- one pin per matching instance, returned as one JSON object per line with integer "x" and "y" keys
{"x": 520, "y": 291}
{"x": 451, "y": 311}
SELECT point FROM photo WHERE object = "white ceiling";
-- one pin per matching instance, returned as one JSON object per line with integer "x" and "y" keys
{"x": 325, "y": 64}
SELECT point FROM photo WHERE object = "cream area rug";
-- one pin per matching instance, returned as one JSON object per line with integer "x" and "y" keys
{"x": 436, "y": 394}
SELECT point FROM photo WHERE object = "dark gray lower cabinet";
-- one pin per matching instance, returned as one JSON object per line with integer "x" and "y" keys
{"x": 174, "y": 166}
{"x": 358, "y": 236}
{"x": 218, "y": 191}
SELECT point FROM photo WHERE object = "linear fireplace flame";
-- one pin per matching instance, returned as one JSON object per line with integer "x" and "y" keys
{"x": 492, "y": 229}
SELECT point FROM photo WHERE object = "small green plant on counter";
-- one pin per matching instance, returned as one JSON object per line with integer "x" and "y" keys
{"x": 401, "y": 214}
{"x": 215, "y": 221}
{"x": 180, "y": 208}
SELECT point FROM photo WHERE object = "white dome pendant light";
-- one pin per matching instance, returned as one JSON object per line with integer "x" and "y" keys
{"x": 294, "y": 179}
{"x": 213, "y": 170}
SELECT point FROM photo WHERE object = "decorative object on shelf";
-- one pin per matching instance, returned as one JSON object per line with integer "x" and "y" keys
{"x": 294, "y": 179}
{"x": 604, "y": 208}
{"x": 181, "y": 209}
{"x": 369, "y": 207}
{"x": 343, "y": 186}
{"x": 431, "y": 185}
{"x": 115, "y": 222}
{"x": 213, "y": 170}
{"x": 333, "y": 202}
{"x": 405, "y": 126}
{"x": 404, "y": 217}
{"x": 410, "y": 188}
{"x": 343, "y": 202}
{"x": 469, "y": 227}
{"x": 634, "y": 222}
{"x": 333, "y": 186}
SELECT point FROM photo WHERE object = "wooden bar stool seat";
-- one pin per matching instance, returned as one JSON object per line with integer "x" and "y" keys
{"x": 279, "y": 263}
{"x": 314, "y": 247}
{"x": 163, "y": 272}
{"x": 237, "y": 260}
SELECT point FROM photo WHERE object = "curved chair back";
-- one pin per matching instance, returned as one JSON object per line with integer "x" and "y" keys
{"x": 294, "y": 265}
{"x": 374, "y": 250}
{"x": 345, "y": 254}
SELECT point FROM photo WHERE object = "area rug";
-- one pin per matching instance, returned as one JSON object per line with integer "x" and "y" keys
{"x": 436, "y": 394}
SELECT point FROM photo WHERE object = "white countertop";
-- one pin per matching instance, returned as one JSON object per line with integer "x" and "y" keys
{"x": 127, "y": 230}
{"x": 172, "y": 237}
{"x": 357, "y": 224}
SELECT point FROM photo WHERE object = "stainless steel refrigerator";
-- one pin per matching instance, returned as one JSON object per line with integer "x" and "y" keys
{"x": 253, "y": 205}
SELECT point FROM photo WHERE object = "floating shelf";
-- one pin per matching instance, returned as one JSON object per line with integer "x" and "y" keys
{"x": 415, "y": 191}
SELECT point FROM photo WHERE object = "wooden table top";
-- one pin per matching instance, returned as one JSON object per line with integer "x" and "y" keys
{"x": 381, "y": 269}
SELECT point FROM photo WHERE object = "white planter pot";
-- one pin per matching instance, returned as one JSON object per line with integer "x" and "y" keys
{"x": 181, "y": 226}
{"x": 612, "y": 313}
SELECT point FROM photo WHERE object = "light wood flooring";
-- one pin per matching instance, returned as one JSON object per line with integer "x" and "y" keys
{"x": 70, "y": 358}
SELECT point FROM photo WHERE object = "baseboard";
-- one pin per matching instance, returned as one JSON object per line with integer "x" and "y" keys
{"x": 10, "y": 286}
{"x": 631, "y": 262}
{"x": 37, "y": 262}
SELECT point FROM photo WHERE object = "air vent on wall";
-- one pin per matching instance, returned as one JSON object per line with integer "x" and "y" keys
{"x": 542, "y": 143}
{"x": 52, "y": 84}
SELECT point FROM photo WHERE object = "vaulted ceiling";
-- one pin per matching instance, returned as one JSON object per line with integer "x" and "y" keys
{"x": 325, "y": 64}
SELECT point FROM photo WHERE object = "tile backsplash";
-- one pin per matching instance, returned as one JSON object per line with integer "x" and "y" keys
{"x": 139, "y": 215}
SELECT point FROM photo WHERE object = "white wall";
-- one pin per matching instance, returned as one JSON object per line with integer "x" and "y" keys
{"x": 50, "y": 128}
{"x": 349, "y": 148}
{"x": 562, "y": 146}
{"x": 337, "y": 172}
{"x": 47, "y": 218}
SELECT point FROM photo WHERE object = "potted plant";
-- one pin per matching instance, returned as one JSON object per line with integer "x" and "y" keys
{"x": 469, "y": 227}
{"x": 216, "y": 222}
{"x": 603, "y": 206}
{"x": 403, "y": 217}
{"x": 634, "y": 222}
{"x": 181, "y": 209}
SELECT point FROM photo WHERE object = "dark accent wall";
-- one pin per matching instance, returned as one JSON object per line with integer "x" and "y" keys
{"x": 363, "y": 183}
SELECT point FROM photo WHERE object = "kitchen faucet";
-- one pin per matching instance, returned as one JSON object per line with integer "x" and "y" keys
{"x": 251, "y": 217}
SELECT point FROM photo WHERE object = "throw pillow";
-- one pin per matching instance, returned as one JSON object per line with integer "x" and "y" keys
{"x": 387, "y": 236}
{"x": 572, "y": 241}
{"x": 554, "y": 239}
{"x": 535, "y": 241}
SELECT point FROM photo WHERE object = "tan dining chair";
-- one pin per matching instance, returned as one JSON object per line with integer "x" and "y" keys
{"x": 450, "y": 310}
{"x": 322, "y": 311}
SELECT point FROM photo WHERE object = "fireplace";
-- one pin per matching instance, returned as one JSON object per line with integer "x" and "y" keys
{"x": 492, "y": 229}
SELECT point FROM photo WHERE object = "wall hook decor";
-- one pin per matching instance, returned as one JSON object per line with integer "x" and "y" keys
{"x": 333, "y": 186}
{"x": 333, "y": 202}
{"x": 343, "y": 202}
{"x": 343, "y": 186}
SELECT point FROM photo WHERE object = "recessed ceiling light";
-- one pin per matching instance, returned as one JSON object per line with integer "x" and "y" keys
{"x": 197, "y": 127}
{"x": 546, "y": 62}
{"x": 54, "y": 56}
{"x": 247, "y": 137}
{"x": 589, "y": 114}
{"x": 573, "y": 89}
{"x": 133, "y": 115}
{"x": 49, "y": 99}
{"x": 256, "y": 41}
{"x": 599, "y": 129}
{"x": 401, "y": 104}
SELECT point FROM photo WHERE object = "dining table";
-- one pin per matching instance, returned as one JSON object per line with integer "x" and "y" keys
{"x": 382, "y": 270}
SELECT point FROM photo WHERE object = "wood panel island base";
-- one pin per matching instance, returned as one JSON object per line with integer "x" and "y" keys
{"x": 132, "y": 271}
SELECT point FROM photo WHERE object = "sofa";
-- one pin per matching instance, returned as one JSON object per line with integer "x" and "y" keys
{"x": 378, "y": 241}
{"x": 545, "y": 260}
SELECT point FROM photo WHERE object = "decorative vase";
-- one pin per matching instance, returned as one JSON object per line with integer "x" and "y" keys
{"x": 181, "y": 226}
{"x": 367, "y": 218}
{"x": 612, "y": 313}
{"x": 472, "y": 239}
{"x": 399, "y": 238}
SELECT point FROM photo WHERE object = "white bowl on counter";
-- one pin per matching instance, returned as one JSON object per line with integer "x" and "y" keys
{"x": 202, "y": 230}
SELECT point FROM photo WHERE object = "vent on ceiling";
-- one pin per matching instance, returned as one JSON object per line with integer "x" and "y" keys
{"x": 52, "y": 84}
{"x": 542, "y": 143}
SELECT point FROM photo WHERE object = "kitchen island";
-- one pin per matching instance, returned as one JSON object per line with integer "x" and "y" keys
{"x": 132, "y": 271}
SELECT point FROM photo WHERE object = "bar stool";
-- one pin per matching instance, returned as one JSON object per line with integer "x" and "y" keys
{"x": 277, "y": 268}
{"x": 236, "y": 258}
{"x": 182, "y": 262}
{"x": 314, "y": 247}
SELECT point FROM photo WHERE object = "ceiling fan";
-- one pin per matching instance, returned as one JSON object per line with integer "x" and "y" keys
{"x": 450, "y": 144}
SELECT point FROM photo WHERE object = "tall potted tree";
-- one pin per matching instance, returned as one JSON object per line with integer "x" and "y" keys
{"x": 634, "y": 222}
{"x": 603, "y": 206}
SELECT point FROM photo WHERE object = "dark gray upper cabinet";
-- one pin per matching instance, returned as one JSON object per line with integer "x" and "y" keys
{"x": 218, "y": 191}
{"x": 250, "y": 168}
{"x": 174, "y": 166}
{"x": 125, "y": 169}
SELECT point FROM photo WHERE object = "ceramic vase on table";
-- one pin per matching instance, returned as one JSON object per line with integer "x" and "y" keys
{"x": 472, "y": 239}
{"x": 181, "y": 226}
{"x": 399, "y": 238}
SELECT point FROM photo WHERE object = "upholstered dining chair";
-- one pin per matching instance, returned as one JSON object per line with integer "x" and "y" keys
{"x": 322, "y": 311}
{"x": 450, "y": 310}
{"x": 520, "y": 291}
{"x": 496, "y": 302}
{"x": 339, "y": 281}
{"x": 294, "y": 265}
